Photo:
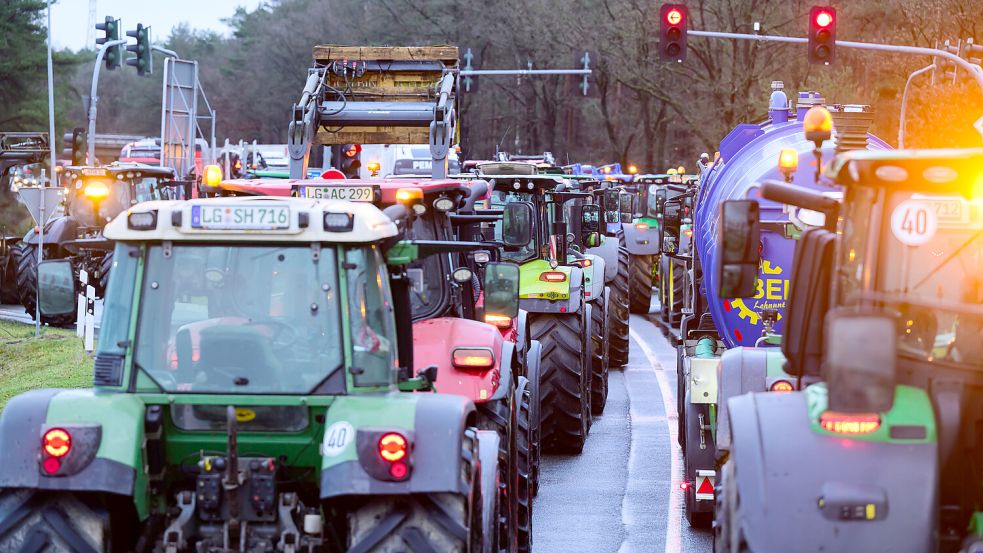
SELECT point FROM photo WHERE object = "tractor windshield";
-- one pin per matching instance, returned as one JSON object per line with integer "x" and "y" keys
{"x": 933, "y": 245}
{"x": 428, "y": 275}
{"x": 239, "y": 319}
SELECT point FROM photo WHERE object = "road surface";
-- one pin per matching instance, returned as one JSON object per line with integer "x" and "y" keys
{"x": 622, "y": 493}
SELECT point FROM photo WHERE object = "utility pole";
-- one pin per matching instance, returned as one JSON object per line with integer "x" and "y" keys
{"x": 94, "y": 96}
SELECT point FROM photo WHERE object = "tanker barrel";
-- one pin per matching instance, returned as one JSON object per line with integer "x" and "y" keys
{"x": 780, "y": 192}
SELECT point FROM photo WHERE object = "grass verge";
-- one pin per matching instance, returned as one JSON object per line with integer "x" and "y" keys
{"x": 55, "y": 360}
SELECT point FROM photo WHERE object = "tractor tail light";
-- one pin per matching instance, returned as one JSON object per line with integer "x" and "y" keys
{"x": 392, "y": 447}
{"x": 501, "y": 321}
{"x": 57, "y": 442}
{"x": 473, "y": 358}
{"x": 849, "y": 423}
{"x": 782, "y": 386}
{"x": 642, "y": 226}
{"x": 553, "y": 276}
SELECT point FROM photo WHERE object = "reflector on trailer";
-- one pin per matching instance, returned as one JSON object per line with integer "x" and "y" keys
{"x": 704, "y": 484}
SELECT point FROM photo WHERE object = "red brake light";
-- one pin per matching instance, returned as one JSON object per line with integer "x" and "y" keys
{"x": 824, "y": 19}
{"x": 57, "y": 442}
{"x": 51, "y": 465}
{"x": 553, "y": 276}
{"x": 392, "y": 447}
{"x": 850, "y": 423}
{"x": 782, "y": 386}
{"x": 473, "y": 358}
{"x": 674, "y": 17}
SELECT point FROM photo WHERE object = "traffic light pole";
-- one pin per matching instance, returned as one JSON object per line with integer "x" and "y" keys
{"x": 974, "y": 70}
{"x": 94, "y": 97}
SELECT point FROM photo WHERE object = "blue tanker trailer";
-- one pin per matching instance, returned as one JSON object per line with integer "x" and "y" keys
{"x": 749, "y": 328}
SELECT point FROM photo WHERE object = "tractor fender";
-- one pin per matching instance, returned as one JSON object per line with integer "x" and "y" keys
{"x": 641, "y": 242}
{"x": 57, "y": 230}
{"x": 594, "y": 279}
{"x": 569, "y": 305}
{"x": 505, "y": 361}
{"x": 436, "y": 423}
{"x": 113, "y": 467}
{"x": 488, "y": 443}
{"x": 434, "y": 341}
{"x": 795, "y": 485}
{"x": 608, "y": 250}
{"x": 741, "y": 370}
{"x": 522, "y": 331}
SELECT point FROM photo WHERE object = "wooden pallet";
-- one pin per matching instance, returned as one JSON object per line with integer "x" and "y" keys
{"x": 448, "y": 55}
{"x": 374, "y": 135}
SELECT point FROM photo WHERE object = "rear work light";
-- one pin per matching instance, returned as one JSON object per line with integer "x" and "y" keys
{"x": 642, "y": 226}
{"x": 145, "y": 220}
{"x": 849, "y": 423}
{"x": 782, "y": 386}
{"x": 473, "y": 358}
{"x": 553, "y": 276}
{"x": 57, "y": 442}
{"x": 501, "y": 321}
{"x": 338, "y": 222}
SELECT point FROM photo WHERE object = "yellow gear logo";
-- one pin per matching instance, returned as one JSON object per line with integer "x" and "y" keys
{"x": 745, "y": 312}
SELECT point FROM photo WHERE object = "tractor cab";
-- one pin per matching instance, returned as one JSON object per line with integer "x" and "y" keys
{"x": 95, "y": 195}
{"x": 884, "y": 335}
{"x": 236, "y": 333}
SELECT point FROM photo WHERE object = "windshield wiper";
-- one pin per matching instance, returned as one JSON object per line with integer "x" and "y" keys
{"x": 946, "y": 261}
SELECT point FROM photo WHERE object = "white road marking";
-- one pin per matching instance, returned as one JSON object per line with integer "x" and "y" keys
{"x": 674, "y": 522}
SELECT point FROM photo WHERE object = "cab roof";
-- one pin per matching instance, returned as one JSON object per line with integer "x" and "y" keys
{"x": 118, "y": 167}
{"x": 936, "y": 170}
{"x": 193, "y": 221}
{"x": 387, "y": 186}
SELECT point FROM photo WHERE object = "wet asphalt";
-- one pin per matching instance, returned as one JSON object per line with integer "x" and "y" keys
{"x": 621, "y": 494}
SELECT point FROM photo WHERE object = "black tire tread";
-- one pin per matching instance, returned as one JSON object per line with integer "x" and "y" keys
{"x": 26, "y": 258}
{"x": 564, "y": 404}
{"x": 640, "y": 283}
{"x": 599, "y": 359}
{"x": 618, "y": 313}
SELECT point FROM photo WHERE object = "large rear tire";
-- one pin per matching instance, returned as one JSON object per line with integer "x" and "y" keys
{"x": 424, "y": 522}
{"x": 34, "y": 521}
{"x": 565, "y": 401}
{"x": 640, "y": 283}
{"x": 618, "y": 312}
{"x": 534, "y": 363}
{"x": 26, "y": 257}
{"x": 524, "y": 458}
{"x": 599, "y": 356}
{"x": 8, "y": 278}
{"x": 105, "y": 266}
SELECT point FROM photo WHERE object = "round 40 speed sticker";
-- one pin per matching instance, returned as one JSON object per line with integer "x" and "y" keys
{"x": 336, "y": 438}
{"x": 914, "y": 223}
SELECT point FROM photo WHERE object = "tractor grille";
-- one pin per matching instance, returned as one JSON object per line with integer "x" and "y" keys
{"x": 108, "y": 370}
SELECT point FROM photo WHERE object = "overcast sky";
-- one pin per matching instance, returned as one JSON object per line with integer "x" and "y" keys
{"x": 70, "y": 18}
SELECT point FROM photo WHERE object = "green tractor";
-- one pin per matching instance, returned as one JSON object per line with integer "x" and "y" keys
{"x": 249, "y": 396}
{"x": 877, "y": 445}
{"x": 563, "y": 292}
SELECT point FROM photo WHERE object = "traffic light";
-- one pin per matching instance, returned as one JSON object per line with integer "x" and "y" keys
{"x": 77, "y": 145}
{"x": 351, "y": 160}
{"x": 143, "y": 58}
{"x": 822, "y": 34}
{"x": 114, "y": 55}
{"x": 673, "y": 19}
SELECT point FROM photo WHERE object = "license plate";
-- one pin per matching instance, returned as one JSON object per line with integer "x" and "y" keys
{"x": 346, "y": 193}
{"x": 240, "y": 217}
{"x": 948, "y": 210}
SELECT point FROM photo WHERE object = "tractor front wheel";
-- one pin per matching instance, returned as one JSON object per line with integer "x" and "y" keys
{"x": 565, "y": 406}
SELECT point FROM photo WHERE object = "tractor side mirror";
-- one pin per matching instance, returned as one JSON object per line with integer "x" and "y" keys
{"x": 590, "y": 224}
{"x": 739, "y": 237}
{"x": 860, "y": 359}
{"x": 517, "y": 224}
{"x": 626, "y": 207}
{"x": 501, "y": 287}
{"x": 56, "y": 285}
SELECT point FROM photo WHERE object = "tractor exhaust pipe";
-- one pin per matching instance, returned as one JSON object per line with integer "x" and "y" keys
{"x": 851, "y": 123}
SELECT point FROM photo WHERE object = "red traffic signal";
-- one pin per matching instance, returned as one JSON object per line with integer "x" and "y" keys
{"x": 673, "y": 19}
{"x": 822, "y": 34}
